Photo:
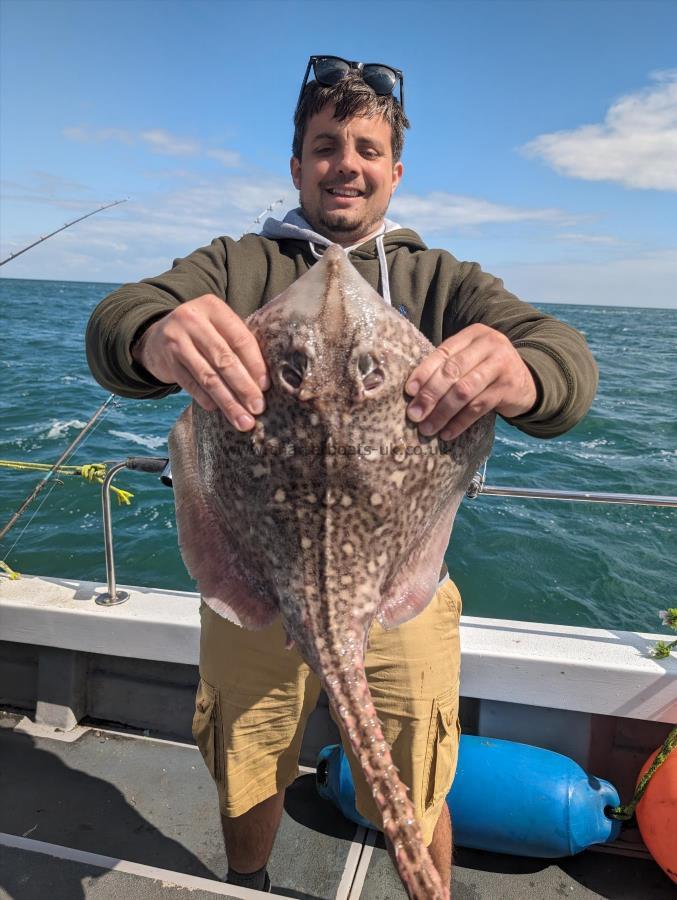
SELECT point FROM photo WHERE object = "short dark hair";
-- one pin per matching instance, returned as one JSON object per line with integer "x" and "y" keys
{"x": 352, "y": 97}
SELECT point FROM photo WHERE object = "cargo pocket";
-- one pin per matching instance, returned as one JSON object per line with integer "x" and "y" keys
{"x": 207, "y": 729}
{"x": 442, "y": 750}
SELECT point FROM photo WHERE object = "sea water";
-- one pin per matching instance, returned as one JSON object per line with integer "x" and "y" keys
{"x": 546, "y": 561}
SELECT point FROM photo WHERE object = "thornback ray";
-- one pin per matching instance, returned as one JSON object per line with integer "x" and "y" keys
{"x": 333, "y": 511}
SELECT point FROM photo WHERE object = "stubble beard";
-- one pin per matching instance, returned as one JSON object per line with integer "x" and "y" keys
{"x": 339, "y": 224}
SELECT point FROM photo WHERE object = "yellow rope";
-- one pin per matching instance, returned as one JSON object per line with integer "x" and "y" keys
{"x": 93, "y": 471}
{"x": 9, "y": 571}
{"x": 124, "y": 497}
{"x": 37, "y": 467}
{"x": 90, "y": 472}
{"x": 623, "y": 813}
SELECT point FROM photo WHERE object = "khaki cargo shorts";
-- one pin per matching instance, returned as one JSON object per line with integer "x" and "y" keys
{"x": 255, "y": 697}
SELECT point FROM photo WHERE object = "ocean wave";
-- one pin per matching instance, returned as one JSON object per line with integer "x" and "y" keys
{"x": 596, "y": 442}
{"x": 143, "y": 440}
{"x": 74, "y": 379}
{"x": 58, "y": 429}
{"x": 520, "y": 454}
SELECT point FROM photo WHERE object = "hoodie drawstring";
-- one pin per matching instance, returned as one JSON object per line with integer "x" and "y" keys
{"x": 383, "y": 265}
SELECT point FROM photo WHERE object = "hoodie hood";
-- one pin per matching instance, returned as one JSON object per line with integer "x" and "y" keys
{"x": 295, "y": 227}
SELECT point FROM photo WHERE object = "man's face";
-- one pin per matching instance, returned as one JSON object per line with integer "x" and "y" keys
{"x": 346, "y": 175}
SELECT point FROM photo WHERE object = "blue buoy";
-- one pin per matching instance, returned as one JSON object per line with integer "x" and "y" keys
{"x": 506, "y": 798}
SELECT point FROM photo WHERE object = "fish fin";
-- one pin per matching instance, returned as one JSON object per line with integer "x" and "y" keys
{"x": 205, "y": 546}
{"x": 416, "y": 582}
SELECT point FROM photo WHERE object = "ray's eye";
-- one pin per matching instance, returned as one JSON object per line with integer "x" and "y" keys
{"x": 372, "y": 375}
{"x": 294, "y": 369}
{"x": 299, "y": 361}
{"x": 366, "y": 363}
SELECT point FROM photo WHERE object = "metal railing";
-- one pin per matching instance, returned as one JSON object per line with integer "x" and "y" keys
{"x": 160, "y": 466}
{"x": 477, "y": 487}
{"x": 153, "y": 464}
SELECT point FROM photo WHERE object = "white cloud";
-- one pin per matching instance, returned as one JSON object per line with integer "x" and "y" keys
{"x": 155, "y": 139}
{"x": 636, "y": 146}
{"x": 169, "y": 144}
{"x": 582, "y": 238}
{"x": 98, "y": 135}
{"x": 229, "y": 158}
{"x": 438, "y": 212}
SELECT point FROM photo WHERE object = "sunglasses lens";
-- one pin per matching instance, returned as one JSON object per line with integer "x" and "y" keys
{"x": 330, "y": 69}
{"x": 380, "y": 78}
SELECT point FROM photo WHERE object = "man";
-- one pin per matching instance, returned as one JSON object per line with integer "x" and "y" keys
{"x": 493, "y": 352}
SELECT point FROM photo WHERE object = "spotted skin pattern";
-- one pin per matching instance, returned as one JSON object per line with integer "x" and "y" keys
{"x": 334, "y": 510}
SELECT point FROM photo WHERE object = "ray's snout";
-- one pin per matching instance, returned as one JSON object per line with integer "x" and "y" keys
{"x": 325, "y": 337}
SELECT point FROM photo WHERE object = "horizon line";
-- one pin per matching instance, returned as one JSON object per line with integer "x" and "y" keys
{"x": 117, "y": 284}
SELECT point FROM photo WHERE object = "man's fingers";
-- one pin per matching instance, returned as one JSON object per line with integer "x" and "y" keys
{"x": 202, "y": 379}
{"x": 477, "y": 408}
{"x": 242, "y": 343}
{"x": 456, "y": 378}
{"x": 463, "y": 394}
{"x": 450, "y": 348}
{"x": 231, "y": 370}
{"x": 186, "y": 381}
{"x": 247, "y": 348}
{"x": 453, "y": 386}
{"x": 217, "y": 350}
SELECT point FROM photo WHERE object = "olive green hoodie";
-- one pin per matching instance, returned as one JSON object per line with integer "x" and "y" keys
{"x": 439, "y": 294}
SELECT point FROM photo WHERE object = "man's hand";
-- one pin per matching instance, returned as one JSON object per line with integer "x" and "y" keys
{"x": 468, "y": 375}
{"x": 206, "y": 348}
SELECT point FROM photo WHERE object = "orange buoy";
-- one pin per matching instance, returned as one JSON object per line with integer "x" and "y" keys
{"x": 657, "y": 813}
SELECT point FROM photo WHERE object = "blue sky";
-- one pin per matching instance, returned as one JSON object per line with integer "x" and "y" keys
{"x": 543, "y": 140}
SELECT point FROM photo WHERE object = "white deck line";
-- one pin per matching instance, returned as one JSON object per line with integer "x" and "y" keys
{"x": 110, "y": 863}
{"x": 343, "y": 891}
{"x": 557, "y": 666}
{"x": 27, "y": 726}
{"x": 185, "y": 745}
{"x": 363, "y": 865}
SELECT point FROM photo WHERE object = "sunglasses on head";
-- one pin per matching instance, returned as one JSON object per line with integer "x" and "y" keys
{"x": 330, "y": 70}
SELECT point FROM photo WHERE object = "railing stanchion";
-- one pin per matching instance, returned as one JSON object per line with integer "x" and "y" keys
{"x": 113, "y": 596}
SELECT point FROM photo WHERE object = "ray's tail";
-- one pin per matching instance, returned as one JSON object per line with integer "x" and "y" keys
{"x": 349, "y": 694}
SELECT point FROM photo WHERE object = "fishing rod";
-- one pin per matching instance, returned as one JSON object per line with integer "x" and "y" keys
{"x": 269, "y": 208}
{"x": 63, "y": 227}
{"x": 64, "y": 456}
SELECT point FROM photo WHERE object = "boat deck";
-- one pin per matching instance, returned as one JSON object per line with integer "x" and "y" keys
{"x": 119, "y": 815}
